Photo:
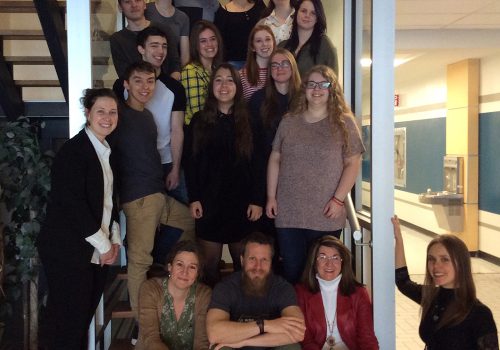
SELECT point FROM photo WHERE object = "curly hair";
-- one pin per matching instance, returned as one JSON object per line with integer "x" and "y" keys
{"x": 210, "y": 113}
{"x": 465, "y": 291}
{"x": 338, "y": 110}
{"x": 269, "y": 108}
{"x": 251, "y": 65}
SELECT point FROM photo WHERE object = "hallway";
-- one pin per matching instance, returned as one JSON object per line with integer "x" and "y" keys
{"x": 486, "y": 277}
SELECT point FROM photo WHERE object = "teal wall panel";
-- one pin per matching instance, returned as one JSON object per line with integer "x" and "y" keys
{"x": 489, "y": 162}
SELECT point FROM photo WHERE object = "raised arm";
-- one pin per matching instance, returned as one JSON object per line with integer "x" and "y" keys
{"x": 399, "y": 248}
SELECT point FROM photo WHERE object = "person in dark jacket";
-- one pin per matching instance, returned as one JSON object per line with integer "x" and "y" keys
{"x": 451, "y": 317}
{"x": 80, "y": 236}
{"x": 224, "y": 171}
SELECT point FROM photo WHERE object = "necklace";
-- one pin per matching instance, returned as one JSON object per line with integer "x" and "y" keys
{"x": 330, "y": 339}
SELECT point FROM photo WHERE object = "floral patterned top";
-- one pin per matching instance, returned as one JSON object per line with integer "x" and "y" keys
{"x": 178, "y": 335}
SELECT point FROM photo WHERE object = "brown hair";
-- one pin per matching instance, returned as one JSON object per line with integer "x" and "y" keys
{"x": 259, "y": 238}
{"x": 194, "y": 42}
{"x": 337, "y": 108}
{"x": 465, "y": 290}
{"x": 190, "y": 247}
{"x": 269, "y": 108}
{"x": 348, "y": 282}
{"x": 140, "y": 67}
{"x": 210, "y": 113}
{"x": 251, "y": 65}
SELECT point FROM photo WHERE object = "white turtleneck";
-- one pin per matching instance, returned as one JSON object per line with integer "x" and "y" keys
{"x": 329, "y": 290}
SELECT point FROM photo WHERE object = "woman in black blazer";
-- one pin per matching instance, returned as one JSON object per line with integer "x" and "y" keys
{"x": 80, "y": 236}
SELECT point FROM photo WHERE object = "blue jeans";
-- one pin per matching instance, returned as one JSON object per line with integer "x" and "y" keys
{"x": 294, "y": 246}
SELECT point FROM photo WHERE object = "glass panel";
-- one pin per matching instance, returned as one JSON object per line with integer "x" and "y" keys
{"x": 104, "y": 16}
{"x": 365, "y": 90}
{"x": 334, "y": 10}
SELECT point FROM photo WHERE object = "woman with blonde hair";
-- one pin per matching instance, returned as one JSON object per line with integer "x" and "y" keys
{"x": 261, "y": 45}
{"x": 451, "y": 317}
{"x": 314, "y": 163}
{"x": 336, "y": 307}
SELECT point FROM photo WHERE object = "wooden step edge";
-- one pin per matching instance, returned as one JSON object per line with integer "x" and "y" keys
{"x": 37, "y": 83}
{"x": 19, "y": 6}
{"x": 21, "y": 34}
{"x": 122, "y": 310}
{"x": 47, "y": 60}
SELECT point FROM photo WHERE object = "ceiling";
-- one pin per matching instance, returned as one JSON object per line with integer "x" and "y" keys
{"x": 433, "y": 33}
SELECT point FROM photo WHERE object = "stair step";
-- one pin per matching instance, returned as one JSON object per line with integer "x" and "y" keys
{"x": 121, "y": 344}
{"x": 34, "y": 60}
{"x": 37, "y": 83}
{"x": 17, "y": 7}
{"x": 122, "y": 310}
{"x": 21, "y": 6}
{"x": 20, "y": 34}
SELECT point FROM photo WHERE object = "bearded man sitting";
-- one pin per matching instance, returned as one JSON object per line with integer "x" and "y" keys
{"x": 253, "y": 308}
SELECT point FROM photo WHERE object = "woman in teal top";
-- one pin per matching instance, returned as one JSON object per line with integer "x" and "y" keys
{"x": 172, "y": 309}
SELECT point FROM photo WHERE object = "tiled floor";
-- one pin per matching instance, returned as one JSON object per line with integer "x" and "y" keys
{"x": 486, "y": 277}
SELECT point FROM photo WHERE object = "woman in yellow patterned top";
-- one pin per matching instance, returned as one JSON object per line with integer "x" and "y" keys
{"x": 206, "y": 53}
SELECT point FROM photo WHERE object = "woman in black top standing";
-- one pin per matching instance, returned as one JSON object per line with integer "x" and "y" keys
{"x": 452, "y": 316}
{"x": 224, "y": 171}
{"x": 80, "y": 236}
{"x": 235, "y": 21}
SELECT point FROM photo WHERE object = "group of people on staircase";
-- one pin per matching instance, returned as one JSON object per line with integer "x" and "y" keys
{"x": 231, "y": 132}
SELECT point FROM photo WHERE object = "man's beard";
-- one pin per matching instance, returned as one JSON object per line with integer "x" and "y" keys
{"x": 256, "y": 287}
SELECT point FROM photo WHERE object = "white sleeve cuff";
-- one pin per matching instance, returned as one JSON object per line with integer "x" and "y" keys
{"x": 99, "y": 241}
{"x": 116, "y": 234}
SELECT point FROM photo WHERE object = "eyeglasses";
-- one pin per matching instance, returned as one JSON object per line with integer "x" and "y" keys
{"x": 322, "y": 85}
{"x": 322, "y": 259}
{"x": 283, "y": 64}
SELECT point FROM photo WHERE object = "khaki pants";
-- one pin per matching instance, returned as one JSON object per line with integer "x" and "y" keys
{"x": 143, "y": 217}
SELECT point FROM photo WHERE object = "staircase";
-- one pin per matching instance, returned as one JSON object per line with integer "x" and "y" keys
{"x": 33, "y": 65}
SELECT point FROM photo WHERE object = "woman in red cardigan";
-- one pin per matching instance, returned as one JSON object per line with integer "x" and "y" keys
{"x": 336, "y": 307}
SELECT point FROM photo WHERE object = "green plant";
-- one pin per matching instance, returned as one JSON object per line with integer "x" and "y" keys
{"x": 24, "y": 187}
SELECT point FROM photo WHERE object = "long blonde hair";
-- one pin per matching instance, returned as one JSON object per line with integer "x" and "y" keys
{"x": 337, "y": 108}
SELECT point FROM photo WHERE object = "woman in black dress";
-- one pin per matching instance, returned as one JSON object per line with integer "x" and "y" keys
{"x": 452, "y": 316}
{"x": 224, "y": 171}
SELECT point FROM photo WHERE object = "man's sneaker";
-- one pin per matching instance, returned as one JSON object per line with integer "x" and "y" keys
{"x": 135, "y": 335}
